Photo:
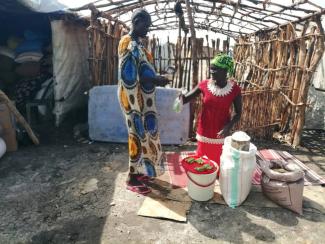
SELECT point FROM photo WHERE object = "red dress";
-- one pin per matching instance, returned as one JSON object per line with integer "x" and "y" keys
{"x": 215, "y": 114}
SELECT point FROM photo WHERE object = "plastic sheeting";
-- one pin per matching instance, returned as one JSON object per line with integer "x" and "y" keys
{"x": 70, "y": 67}
{"x": 44, "y": 6}
{"x": 318, "y": 80}
{"x": 315, "y": 114}
{"x": 47, "y": 6}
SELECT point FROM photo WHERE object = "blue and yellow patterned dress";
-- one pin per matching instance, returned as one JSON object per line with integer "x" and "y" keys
{"x": 137, "y": 100}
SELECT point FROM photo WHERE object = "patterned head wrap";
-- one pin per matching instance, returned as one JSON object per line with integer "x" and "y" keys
{"x": 141, "y": 13}
{"x": 224, "y": 61}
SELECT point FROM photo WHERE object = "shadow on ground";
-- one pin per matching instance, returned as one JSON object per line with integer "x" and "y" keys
{"x": 231, "y": 224}
{"x": 220, "y": 222}
{"x": 60, "y": 192}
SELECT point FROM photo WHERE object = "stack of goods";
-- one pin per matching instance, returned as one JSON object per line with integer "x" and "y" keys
{"x": 25, "y": 65}
{"x": 28, "y": 55}
{"x": 30, "y": 50}
{"x": 34, "y": 64}
{"x": 25, "y": 90}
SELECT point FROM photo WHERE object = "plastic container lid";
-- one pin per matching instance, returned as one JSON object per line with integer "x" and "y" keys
{"x": 240, "y": 136}
{"x": 191, "y": 166}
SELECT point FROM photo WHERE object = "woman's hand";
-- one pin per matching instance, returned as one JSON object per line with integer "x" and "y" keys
{"x": 181, "y": 97}
{"x": 191, "y": 95}
{"x": 225, "y": 131}
{"x": 161, "y": 80}
{"x": 238, "y": 108}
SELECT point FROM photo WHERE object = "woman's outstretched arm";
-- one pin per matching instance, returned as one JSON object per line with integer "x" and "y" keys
{"x": 191, "y": 94}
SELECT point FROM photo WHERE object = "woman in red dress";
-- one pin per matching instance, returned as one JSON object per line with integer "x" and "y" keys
{"x": 215, "y": 121}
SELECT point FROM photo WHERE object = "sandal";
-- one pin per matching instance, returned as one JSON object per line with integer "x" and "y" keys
{"x": 140, "y": 189}
{"x": 144, "y": 178}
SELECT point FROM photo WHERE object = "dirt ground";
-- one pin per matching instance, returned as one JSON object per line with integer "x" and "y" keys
{"x": 65, "y": 191}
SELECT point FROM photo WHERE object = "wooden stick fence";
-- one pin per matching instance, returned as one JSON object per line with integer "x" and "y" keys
{"x": 274, "y": 70}
{"x": 179, "y": 55}
{"x": 104, "y": 38}
{"x": 273, "y": 67}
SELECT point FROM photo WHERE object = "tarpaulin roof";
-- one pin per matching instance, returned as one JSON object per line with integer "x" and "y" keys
{"x": 230, "y": 17}
{"x": 13, "y": 6}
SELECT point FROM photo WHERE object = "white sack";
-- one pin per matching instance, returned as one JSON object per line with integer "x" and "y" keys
{"x": 236, "y": 172}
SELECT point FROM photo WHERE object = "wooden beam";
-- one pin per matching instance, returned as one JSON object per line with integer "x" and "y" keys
{"x": 309, "y": 16}
{"x": 19, "y": 117}
{"x": 245, "y": 13}
{"x": 85, "y": 7}
{"x": 194, "y": 44}
{"x": 232, "y": 34}
{"x": 231, "y": 17}
{"x": 122, "y": 8}
{"x": 96, "y": 13}
{"x": 238, "y": 4}
{"x": 211, "y": 21}
{"x": 129, "y": 7}
{"x": 260, "y": 10}
{"x": 292, "y": 6}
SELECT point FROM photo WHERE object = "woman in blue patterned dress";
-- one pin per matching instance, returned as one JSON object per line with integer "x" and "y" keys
{"x": 136, "y": 92}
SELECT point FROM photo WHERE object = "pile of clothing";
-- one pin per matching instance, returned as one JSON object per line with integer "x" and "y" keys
{"x": 25, "y": 65}
{"x": 30, "y": 49}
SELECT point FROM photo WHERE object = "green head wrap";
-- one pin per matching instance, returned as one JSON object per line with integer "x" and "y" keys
{"x": 224, "y": 61}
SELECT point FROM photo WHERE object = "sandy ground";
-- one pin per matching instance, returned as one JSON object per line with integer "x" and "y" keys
{"x": 65, "y": 191}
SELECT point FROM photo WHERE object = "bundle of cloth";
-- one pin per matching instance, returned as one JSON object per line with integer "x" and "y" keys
{"x": 25, "y": 71}
{"x": 30, "y": 49}
{"x": 29, "y": 53}
{"x": 20, "y": 58}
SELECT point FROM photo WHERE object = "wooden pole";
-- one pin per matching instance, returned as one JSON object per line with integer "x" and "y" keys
{"x": 189, "y": 76}
{"x": 208, "y": 60}
{"x": 97, "y": 13}
{"x": 19, "y": 117}
{"x": 194, "y": 61}
{"x": 217, "y": 46}
{"x": 185, "y": 63}
{"x": 179, "y": 54}
{"x": 168, "y": 52}
{"x": 194, "y": 45}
